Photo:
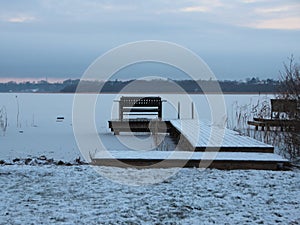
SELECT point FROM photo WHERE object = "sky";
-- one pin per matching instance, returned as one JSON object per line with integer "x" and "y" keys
{"x": 59, "y": 39}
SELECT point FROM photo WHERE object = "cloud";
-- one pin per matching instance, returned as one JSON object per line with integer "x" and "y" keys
{"x": 250, "y": 1}
{"x": 195, "y": 9}
{"x": 279, "y": 24}
{"x": 200, "y": 6}
{"x": 278, "y": 9}
{"x": 20, "y": 19}
{"x": 81, "y": 8}
{"x": 280, "y": 16}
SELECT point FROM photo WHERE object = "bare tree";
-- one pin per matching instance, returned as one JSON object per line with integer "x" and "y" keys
{"x": 290, "y": 90}
{"x": 290, "y": 80}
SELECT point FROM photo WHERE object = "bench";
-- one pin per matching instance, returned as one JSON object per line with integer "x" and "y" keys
{"x": 285, "y": 113}
{"x": 140, "y": 107}
{"x": 285, "y": 109}
{"x": 139, "y": 114}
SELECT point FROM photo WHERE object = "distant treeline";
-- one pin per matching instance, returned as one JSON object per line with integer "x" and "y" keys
{"x": 254, "y": 85}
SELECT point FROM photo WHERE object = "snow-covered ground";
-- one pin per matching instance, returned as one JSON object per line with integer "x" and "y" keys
{"x": 79, "y": 195}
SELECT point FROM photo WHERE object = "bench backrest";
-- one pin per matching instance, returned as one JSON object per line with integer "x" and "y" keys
{"x": 140, "y": 107}
{"x": 290, "y": 108}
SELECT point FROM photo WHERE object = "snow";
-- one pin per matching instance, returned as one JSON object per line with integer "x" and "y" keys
{"x": 184, "y": 155}
{"x": 202, "y": 133}
{"x": 78, "y": 195}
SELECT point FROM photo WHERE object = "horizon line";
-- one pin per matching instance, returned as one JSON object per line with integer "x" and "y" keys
{"x": 52, "y": 80}
{"x": 19, "y": 80}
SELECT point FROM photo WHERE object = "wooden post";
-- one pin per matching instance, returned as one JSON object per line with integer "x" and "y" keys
{"x": 178, "y": 111}
{"x": 159, "y": 110}
{"x": 120, "y": 110}
{"x": 192, "y": 110}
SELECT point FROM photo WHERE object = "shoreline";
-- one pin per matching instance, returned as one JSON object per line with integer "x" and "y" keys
{"x": 41, "y": 161}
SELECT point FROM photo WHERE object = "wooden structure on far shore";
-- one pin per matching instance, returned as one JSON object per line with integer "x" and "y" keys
{"x": 285, "y": 114}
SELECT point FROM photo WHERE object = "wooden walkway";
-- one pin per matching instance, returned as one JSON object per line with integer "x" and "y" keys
{"x": 201, "y": 145}
{"x": 167, "y": 159}
{"x": 202, "y": 136}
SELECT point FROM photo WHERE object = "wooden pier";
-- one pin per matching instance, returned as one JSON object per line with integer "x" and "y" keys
{"x": 201, "y": 143}
{"x": 199, "y": 149}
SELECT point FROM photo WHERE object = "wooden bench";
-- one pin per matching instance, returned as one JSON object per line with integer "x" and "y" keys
{"x": 140, "y": 107}
{"x": 139, "y": 114}
{"x": 285, "y": 113}
{"x": 285, "y": 109}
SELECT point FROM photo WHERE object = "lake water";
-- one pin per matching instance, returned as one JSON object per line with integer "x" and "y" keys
{"x": 33, "y": 128}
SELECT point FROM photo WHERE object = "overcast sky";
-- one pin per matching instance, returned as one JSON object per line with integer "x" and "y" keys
{"x": 60, "y": 38}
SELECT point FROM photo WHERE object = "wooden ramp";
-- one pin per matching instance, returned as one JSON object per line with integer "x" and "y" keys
{"x": 167, "y": 159}
{"x": 204, "y": 136}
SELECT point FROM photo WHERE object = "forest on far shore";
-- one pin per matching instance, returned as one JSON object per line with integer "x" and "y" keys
{"x": 250, "y": 85}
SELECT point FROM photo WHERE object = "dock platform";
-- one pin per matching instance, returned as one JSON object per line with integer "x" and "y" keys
{"x": 201, "y": 144}
{"x": 167, "y": 159}
{"x": 211, "y": 138}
